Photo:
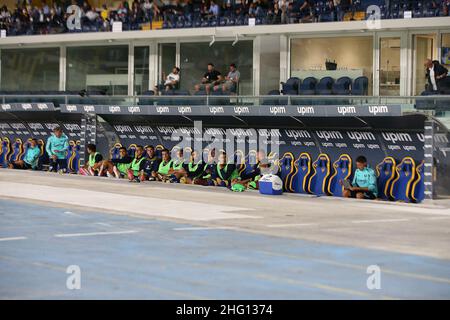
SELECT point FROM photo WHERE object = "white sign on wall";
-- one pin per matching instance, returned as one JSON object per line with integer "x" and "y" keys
{"x": 251, "y": 22}
{"x": 117, "y": 26}
{"x": 3, "y": 33}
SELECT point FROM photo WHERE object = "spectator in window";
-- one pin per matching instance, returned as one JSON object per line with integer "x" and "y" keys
{"x": 214, "y": 10}
{"x": 343, "y": 6}
{"x": 210, "y": 79}
{"x": 171, "y": 82}
{"x": 438, "y": 80}
{"x": 274, "y": 15}
{"x": 307, "y": 11}
{"x": 231, "y": 80}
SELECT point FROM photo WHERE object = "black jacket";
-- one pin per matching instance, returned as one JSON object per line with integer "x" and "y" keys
{"x": 439, "y": 70}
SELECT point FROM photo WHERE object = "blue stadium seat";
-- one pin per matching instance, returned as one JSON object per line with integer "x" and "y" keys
{"x": 287, "y": 170}
{"x": 158, "y": 149}
{"x": 321, "y": 172}
{"x": 418, "y": 188}
{"x": 26, "y": 145}
{"x": 249, "y": 161}
{"x": 291, "y": 85}
{"x": 303, "y": 173}
{"x": 342, "y": 86}
{"x": 114, "y": 153}
{"x": 402, "y": 184}
{"x": 360, "y": 86}
{"x": 70, "y": 154}
{"x": 5, "y": 150}
{"x": 385, "y": 175}
{"x": 325, "y": 85}
{"x": 308, "y": 86}
{"x": 132, "y": 149}
{"x": 75, "y": 160}
{"x": 342, "y": 171}
{"x": 17, "y": 150}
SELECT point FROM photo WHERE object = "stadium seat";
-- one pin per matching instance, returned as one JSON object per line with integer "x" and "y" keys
{"x": 303, "y": 173}
{"x": 70, "y": 154}
{"x": 360, "y": 86}
{"x": 321, "y": 172}
{"x": 239, "y": 161}
{"x": 16, "y": 150}
{"x": 342, "y": 171}
{"x": 325, "y": 85}
{"x": 418, "y": 188}
{"x": 385, "y": 175}
{"x": 287, "y": 170}
{"x": 402, "y": 184}
{"x": 5, "y": 151}
{"x": 76, "y": 159}
{"x": 158, "y": 150}
{"x": 114, "y": 152}
{"x": 250, "y": 160}
{"x": 26, "y": 145}
{"x": 291, "y": 86}
{"x": 342, "y": 86}
{"x": 132, "y": 149}
{"x": 308, "y": 86}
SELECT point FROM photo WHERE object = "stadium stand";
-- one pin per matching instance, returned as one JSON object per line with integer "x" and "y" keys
{"x": 51, "y": 16}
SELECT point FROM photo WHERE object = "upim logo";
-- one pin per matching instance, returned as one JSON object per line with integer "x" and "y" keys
{"x": 162, "y": 110}
{"x": 378, "y": 109}
{"x": 71, "y": 107}
{"x": 305, "y": 110}
{"x": 36, "y": 126}
{"x": 122, "y": 129}
{"x": 215, "y": 110}
{"x": 241, "y": 110}
{"x": 26, "y": 106}
{"x": 396, "y": 136}
{"x": 346, "y": 109}
{"x": 42, "y": 106}
{"x": 72, "y": 127}
{"x": 184, "y": 110}
{"x": 298, "y": 134}
{"x": 17, "y": 126}
{"x": 358, "y": 136}
{"x": 326, "y": 135}
{"x": 134, "y": 109}
{"x": 114, "y": 109}
{"x": 277, "y": 110}
{"x": 89, "y": 108}
{"x": 6, "y": 107}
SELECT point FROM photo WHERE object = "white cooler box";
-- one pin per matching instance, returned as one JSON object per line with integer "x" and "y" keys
{"x": 270, "y": 184}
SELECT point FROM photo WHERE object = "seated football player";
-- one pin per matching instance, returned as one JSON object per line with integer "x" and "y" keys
{"x": 164, "y": 167}
{"x": 136, "y": 172}
{"x": 223, "y": 172}
{"x": 117, "y": 168}
{"x": 260, "y": 168}
{"x": 194, "y": 169}
{"x": 95, "y": 160}
{"x": 152, "y": 163}
{"x": 31, "y": 158}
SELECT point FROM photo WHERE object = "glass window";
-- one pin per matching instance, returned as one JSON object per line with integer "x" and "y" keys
{"x": 195, "y": 57}
{"x": 102, "y": 68}
{"x": 141, "y": 71}
{"x": 445, "y": 54}
{"x": 353, "y": 57}
{"x": 389, "y": 66}
{"x": 167, "y": 54}
{"x": 424, "y": 49}
{"x": 30, "y": 69}
{"x": 270, "y": 64}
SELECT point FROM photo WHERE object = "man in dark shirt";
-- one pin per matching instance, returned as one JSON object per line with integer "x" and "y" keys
{"x": 152, "y": 163}
{"x": 210, "y": 79}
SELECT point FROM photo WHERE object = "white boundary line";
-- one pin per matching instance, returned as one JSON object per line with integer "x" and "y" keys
{"x": 68, "y": 235}
{"x": 380, "y": 220}
{"x": 13, "y": 238}
{"x": 204, "y": 228}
